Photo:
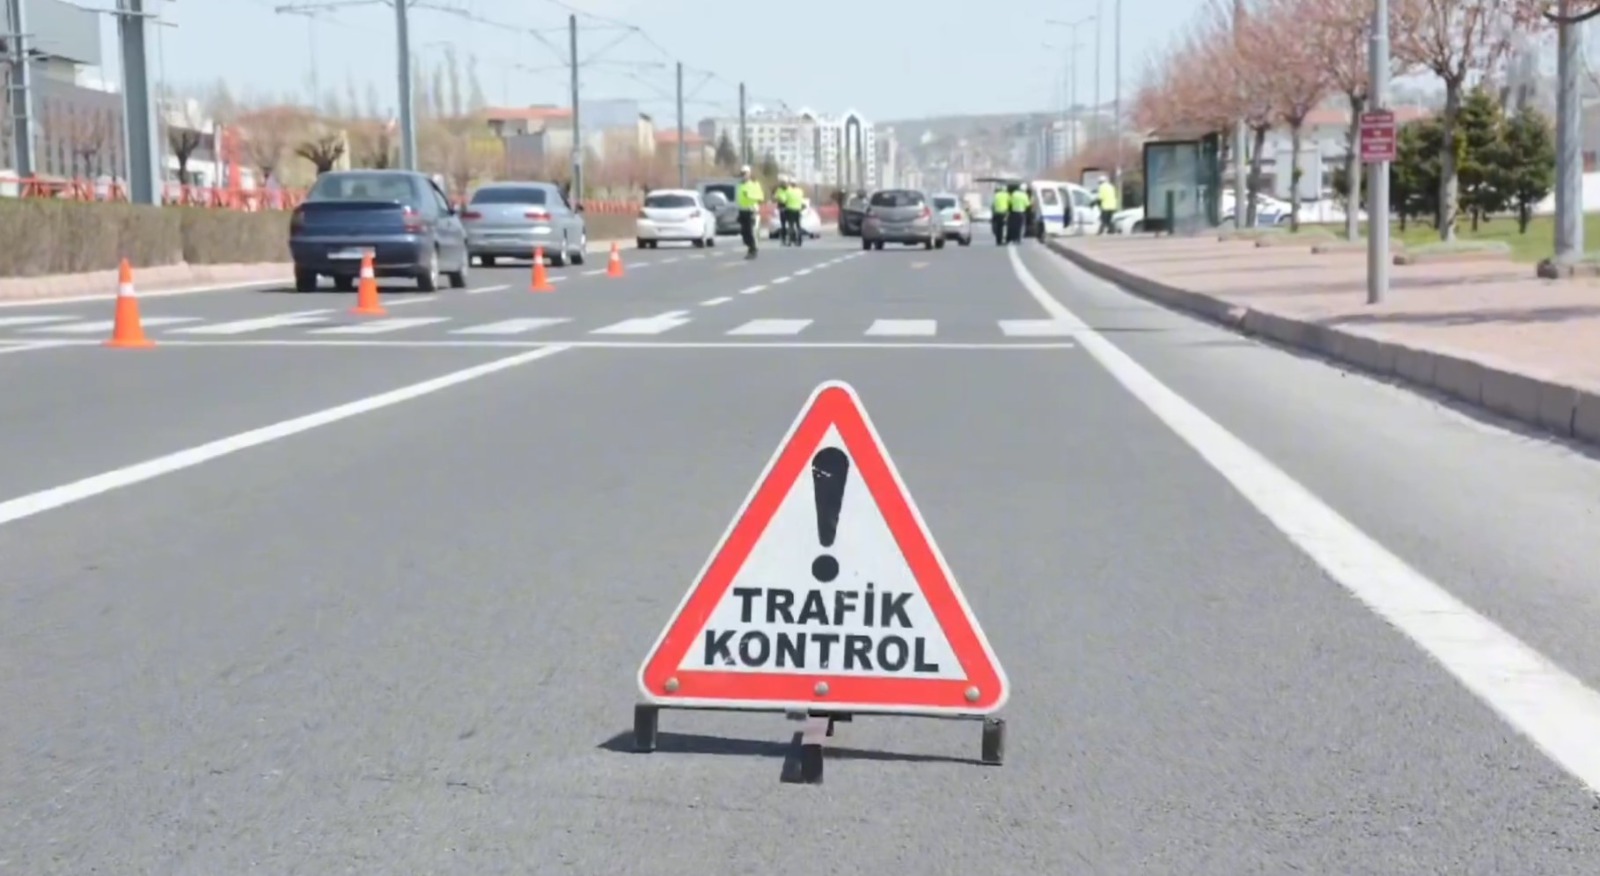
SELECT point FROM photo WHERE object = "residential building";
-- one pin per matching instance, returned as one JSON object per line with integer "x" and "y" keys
{"x": 819, "y": 150}
{"x": 77, "y": 129}
{"x": 697, "y": 151}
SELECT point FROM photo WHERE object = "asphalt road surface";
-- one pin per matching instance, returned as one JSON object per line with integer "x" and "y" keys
{"x": 283, "y": 597}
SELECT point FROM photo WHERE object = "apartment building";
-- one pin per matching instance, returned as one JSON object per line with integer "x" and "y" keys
{"x": 816, "y": 149}
{"x": 77, "y": 126}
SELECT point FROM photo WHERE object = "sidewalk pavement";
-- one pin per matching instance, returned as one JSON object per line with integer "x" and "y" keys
{"x": 166, "y": 279}
{"x": 1482, "y": 332}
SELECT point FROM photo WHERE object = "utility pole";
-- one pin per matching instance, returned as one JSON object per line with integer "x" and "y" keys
{"x": 1099, "y": 64}
{"x": 1569, "y": 139}
{"x": 21, "y": 97}
{"x": 577, "y": 117}
{"x": 138, "y": 109}
{"x": 1072, "y": 95}
{"x": 744, "y": 130}
{"x": 311, "y": 42}
{"x": 1116, "y": 108}
{"x": 683, "y": 154}
{"x": 408, "y": 121}
{"x": 1241, "y": 195}
{"x": 1378, "y": 181}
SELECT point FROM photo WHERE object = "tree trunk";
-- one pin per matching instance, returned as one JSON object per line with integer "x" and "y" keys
{"x": 1524, "y": 213}
{"x": 1449, "y": 181}
{"x": 1352, "y": 169}
{"x": 1254, "y": 186}
{"x": 1295, "y": 128}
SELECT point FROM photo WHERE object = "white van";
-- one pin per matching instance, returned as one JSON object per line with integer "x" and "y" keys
{"x": 1065, "y": 207}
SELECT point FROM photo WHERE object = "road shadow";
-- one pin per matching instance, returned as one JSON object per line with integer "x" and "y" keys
{"x": 787, "y": 752}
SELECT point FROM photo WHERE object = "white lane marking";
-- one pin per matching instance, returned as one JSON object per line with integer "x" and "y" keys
{"x": 1548, "y": 705}
{"x": 104, "y": 325}
{"x": 645, "y": 325}
{"x": 380, "y": 327}
{"x": 597, "y": 272}
{"x": 753, "y": 289}
{"x": 30, "y": 346}
{"x": 56, "y": 497}
{"x": 55, "y": 301}
{"x": 802, "y": 272}
{"x": 1036, "y": 328}
{"x": 13, "y": 321}
{"x": 262, "y": 323}
{"x": 779, "y": 281}
{"x": 713, "y": 302}
{"x": 483, "y": 289}
{"x": 614, "y": 345}
{"x": 668, "y": 261}
{"x": 512, "y": 326}
{"x": 903, "y": 328}
{"x": 771, "y": 327}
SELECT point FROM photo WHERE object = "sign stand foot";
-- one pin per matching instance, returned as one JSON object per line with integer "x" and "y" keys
{"x": 646, "y": 722}
{"x": 817, "y": 728}
{"x": 994, "y": 741}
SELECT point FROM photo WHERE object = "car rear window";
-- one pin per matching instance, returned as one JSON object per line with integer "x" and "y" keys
{"x": 510, "y": 195}
{"x": 896, "y": 198}
{"x": 669, "y": 202}
{"x": 945, "y": 203}
{"x": 362, "y": 187}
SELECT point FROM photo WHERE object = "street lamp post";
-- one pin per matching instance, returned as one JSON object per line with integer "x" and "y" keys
{"x": 1072, "y": 63}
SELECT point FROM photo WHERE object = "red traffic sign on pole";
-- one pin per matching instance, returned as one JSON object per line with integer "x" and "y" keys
{"x": 1378, "y": 136}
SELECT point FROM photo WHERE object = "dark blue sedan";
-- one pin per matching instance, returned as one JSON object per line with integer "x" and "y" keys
{"x": 399, "y": 216}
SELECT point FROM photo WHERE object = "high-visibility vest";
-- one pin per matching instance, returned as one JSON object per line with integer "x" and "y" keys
{"x": 750, "y": 195}
{"x": 1108, "y": 196}
{"x": 793, "y": 198}
{"x": 1020, "y": 201}
{"x": 1002, "y": 202}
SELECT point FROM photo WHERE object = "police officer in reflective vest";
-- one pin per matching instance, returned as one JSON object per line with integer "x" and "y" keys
{"x": 1107, "y": 196}
{"x": 788, "y": 203}
{"x": 749, "y": 197}
{"x": 1018, "y": 217}
{"x": 1002, "y": 207}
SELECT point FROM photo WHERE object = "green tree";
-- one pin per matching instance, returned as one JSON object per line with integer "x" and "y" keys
{"x": 769, "y": 170}
{"x": 727, "y": 157}
{"x": 1479, "y": 131}
{"x": 1414, "y": 174}
{"x": 1529, "y": 169}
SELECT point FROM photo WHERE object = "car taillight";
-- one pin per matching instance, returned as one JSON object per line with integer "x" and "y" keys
{"x": 538, "y": 215}
{"x": 412, "y": 219}
{"x": 297, "y": 219}
{"x": 471, "y": 215}
{"x": 956, "y": 215}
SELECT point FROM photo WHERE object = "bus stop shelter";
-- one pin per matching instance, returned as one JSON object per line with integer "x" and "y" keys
{"x": 1182, "y": 181}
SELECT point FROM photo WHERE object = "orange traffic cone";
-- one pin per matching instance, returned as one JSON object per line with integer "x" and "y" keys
{"x": 367, "y": 303}
{"x": 128, "y": 329}
{"x": 541, "y": 282}
{"x": 614, "y": 267}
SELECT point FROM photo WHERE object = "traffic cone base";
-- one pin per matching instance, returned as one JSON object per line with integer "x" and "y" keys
{"x": 541, "y": 280}
{"x": 614, "y": 266}
{"x": 367, "y": 301}
{"x": 127, "y": 329}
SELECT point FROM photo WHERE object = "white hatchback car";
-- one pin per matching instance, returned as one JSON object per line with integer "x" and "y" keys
{"x": 675, "y": 215}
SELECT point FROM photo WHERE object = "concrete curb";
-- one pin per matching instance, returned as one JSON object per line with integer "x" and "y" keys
{"x": 1539, "y": 402}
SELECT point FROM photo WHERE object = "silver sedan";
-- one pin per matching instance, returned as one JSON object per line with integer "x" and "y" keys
{"x": 513, "y": 219}
{"x": 954, "y": 222}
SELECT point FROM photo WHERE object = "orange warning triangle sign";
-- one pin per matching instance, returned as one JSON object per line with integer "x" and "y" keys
{"x": 827, "y": 592}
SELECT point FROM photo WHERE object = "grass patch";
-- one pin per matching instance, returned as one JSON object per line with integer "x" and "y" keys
{"x": 1539, "y": 243}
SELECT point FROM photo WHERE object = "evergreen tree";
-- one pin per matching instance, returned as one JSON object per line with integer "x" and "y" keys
{"x": 1529, "y": 169}
{"x": 1414, "y": 175}
{"x": 769, "y": 170}
{"x": 1479, "y": 129}
{"x": 727, "y": 157}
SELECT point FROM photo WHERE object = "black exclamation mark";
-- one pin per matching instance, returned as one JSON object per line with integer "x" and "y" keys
{"x": 829, "y": 470}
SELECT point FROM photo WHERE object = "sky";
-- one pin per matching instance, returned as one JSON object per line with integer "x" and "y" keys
{"x": 886, "y": 59}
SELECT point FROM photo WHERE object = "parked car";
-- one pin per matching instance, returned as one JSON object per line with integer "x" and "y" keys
{"x": 900, "y": 216}
{"x": 721, "y": 197}
{"x": 399, "y": 216}
{"x": 954, "y": 222}
{"x": 512, "y": 219}
{"x": 852, "y": 214}
{"x": 810, "y": 223}
{"x": 675, "y": 215}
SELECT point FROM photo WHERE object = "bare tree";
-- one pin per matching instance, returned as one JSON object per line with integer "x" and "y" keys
{"x": 1455, "y": 40}
{"x": 1292, "y": 69}
{"x": 268, "y": 134}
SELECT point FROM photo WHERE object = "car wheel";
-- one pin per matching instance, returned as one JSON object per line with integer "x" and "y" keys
{"x": 711, "y": 241}
{"x": 343, "y": 284}
{"x": 699, "y": 244}
{"x": 878, "y": 246}
{"x": 966, "y": 241}
{"x": 305, "y": 281}
{"x": 939, "y": 244}
{"x": 640, "y": 244}
{"x": 428, "y": 277}
{"x": 486, "y": 261}
{"x": 927, "y": 244}
{"x": 582, "y": 252}
{"x": 558, "y": 258}
{"x": 865, "y": 245}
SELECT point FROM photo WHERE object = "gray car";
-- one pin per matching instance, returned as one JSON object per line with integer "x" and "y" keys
{"x": 721, "y": 197}
{"x": 512, "y": 219}
{"x": 900, "y": 216}
{"x": 953, "y": 218}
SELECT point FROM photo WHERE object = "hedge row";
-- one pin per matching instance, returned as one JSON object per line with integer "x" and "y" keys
{"x": 48, "y": 236}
